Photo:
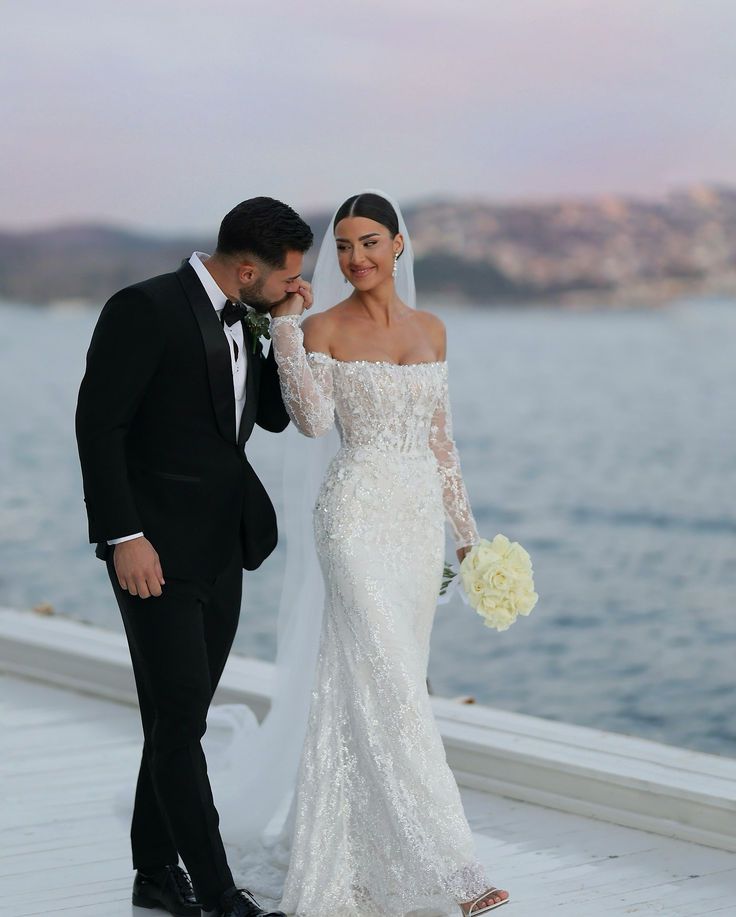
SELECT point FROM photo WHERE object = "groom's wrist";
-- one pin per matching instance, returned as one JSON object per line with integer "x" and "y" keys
{"x": 125, "y": 538}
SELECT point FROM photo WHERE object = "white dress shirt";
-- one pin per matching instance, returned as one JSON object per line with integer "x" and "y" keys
{"x": 234, "y": 333}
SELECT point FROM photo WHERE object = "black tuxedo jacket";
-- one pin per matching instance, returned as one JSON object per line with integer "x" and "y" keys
{"x": 155, "y": 427}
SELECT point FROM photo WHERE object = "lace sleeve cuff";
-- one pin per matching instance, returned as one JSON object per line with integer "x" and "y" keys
{"x": 276, "y": 320}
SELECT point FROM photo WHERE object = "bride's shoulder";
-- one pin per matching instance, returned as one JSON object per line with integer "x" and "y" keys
{"x": 318, "y": 328}
{"x": 325, "y": 317}
{"x": 431, "y": 320}
{"x": 434, "y": 327}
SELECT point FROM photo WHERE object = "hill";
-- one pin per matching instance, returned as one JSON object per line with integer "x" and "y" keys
{"x": 609, "y": 249}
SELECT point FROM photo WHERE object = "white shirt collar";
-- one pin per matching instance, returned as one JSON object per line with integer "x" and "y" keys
{"x": 217, "y": 297}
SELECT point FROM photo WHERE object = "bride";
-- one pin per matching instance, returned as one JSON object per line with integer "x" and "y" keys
{"x": 379, "y": 826}
{"x": 376, "y": 826}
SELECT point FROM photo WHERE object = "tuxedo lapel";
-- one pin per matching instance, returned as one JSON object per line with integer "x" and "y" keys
{"x": 251, "y": 389}
{"x": 217, "y": 352}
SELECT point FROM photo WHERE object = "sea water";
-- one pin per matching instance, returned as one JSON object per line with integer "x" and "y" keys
{"x": 603, "y": 440}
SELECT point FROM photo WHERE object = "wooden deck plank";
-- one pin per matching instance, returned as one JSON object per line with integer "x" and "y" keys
{"x": 64, "y": 846}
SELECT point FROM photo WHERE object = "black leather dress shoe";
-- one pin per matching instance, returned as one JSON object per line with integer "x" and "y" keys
{"x": 238, "y": 902}
{"x": 168, "y": 888}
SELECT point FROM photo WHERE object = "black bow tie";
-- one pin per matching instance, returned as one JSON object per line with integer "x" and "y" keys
{"x": 233, "y": 312}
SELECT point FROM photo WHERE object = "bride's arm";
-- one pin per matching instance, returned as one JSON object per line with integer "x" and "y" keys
{"x": 305, "y": 378}
{"x": 455, "y": 495}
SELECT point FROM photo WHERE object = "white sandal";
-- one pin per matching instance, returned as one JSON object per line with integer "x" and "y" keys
{"x": 471, "y": 912}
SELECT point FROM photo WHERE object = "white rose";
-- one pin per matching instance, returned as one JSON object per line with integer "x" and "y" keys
{"x": 527, "y": 601}
{"x": 499, "y": 580}
{"x": 501, "y": 544}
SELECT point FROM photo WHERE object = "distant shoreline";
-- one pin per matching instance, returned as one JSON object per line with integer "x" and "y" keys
{"x": 613, "y": 252}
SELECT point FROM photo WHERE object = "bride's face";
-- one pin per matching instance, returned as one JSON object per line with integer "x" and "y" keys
{"x": 365, "y": 251}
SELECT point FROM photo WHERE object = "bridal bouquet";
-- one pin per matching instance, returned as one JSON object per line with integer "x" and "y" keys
{"x": 497, "y": 580}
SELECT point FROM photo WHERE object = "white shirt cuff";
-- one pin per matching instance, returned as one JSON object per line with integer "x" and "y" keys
{"x": 126, "y": 538}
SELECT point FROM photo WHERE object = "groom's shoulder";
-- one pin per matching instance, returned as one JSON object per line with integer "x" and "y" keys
{"x": 150, "y": 290}
{"x": 153, "y": 286}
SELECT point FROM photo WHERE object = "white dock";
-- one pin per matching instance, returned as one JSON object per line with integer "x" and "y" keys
{"x": 65, "y": 755}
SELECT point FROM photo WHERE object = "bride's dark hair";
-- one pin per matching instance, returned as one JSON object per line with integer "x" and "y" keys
{"x": 371, "y": 206}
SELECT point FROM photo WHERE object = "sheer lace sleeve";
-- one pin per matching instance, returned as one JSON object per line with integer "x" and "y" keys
{"x": 457, "y": 504}
{"x": 305, "y": 378}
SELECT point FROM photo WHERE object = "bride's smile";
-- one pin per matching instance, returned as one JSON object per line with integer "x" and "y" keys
{"x": 361, "y": 272}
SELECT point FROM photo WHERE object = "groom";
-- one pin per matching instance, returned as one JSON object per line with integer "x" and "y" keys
{"x": 175, "y": 381}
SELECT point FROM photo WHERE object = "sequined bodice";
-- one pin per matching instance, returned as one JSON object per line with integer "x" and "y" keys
{"x": 385, "y": 406}
{"x": 379, "y": 407}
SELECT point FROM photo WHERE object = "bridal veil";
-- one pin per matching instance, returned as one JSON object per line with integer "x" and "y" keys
{"x": 253, "y": 766}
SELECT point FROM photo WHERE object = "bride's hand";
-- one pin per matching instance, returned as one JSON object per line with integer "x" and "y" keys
{"x": 297, "y": 303}
{"x": 461, "y": 552}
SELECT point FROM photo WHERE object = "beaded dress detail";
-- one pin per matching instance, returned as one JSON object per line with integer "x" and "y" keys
{"x": 378, "y": 823}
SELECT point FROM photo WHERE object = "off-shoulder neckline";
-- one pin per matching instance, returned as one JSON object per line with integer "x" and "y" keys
{"x": 328, "y": 356}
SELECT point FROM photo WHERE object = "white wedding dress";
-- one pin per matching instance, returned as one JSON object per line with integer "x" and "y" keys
{"x": 377, "y": 823}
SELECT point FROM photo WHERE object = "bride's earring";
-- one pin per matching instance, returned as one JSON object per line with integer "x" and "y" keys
{"x": 396, "y": 264}
{"x": 345, "y": 278}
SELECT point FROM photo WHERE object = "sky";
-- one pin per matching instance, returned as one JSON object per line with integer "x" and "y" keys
{"x": 163, "y": 114}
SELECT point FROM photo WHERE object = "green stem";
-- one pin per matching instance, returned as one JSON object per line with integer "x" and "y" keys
{"x": 448, "y": 574}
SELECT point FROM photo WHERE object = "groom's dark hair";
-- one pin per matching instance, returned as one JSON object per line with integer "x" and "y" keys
{"x": 265, "y": 228}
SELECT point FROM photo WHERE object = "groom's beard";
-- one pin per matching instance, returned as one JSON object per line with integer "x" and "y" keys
{"x": 253, "y": 296}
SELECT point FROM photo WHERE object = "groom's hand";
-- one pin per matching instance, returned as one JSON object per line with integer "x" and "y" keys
{"x": 299, "y": 300}
{"x": 138, "y": 568}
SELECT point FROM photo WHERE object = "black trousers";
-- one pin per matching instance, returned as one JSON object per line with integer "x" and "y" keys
{"x": 179, "y": 643}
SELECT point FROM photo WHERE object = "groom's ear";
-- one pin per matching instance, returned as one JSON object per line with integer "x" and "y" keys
{"x": 247, "y": 271}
